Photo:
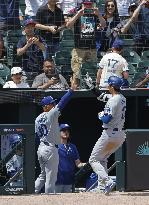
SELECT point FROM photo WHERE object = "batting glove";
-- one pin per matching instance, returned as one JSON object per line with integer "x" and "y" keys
{"x": 104, "y": 97}
{"x": 100, "y": 114}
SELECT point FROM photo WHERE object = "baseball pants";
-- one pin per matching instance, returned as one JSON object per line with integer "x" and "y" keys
{"x": 107, "y": 144}
{"x": 48, "y": 160}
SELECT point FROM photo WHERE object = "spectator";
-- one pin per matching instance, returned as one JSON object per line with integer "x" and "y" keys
{"x": 112, "y": 64}
{"x": 9, "y": 15}
{"x": 51, "y": 21}
{"x": 84, "y": 28}
{"x": 32, "y": 49}
{"x": 50, "y": 79}
{"x": 69, "y": 159}
{"x": 104, "y": 36}
{"x": 123, "y": 6}
{"x": 137, "y": 25}
{"x": 17, "y": 82}
{"x": 32, "y": 6}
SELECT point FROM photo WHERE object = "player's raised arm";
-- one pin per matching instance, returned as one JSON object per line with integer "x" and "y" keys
{"x": 66, "y": 98}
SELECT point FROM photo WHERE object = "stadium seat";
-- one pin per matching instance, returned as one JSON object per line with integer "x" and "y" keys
{"x": 131, "y": 56}
{"x": 67, "y": 34}
{"x": 63, "y": 63}
{"x": 2, "y": 82}
{"x": 4, "y": 73}
{"x": 132, "y": 69}
{"x": 10, "y": 43}
{"x": 128, "y": 42}
{"x": 142, "y": 66}
{"x": 138, "y": 76}
{"x": 67, "y": 45}
{"x": 62, "y": 57}
{"x": 145, "y": 55}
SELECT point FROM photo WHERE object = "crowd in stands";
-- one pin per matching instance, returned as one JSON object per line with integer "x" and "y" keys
{"x": 46, "y": 42}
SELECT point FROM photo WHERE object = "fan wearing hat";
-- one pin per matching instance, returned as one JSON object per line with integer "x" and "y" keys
{"x": 17, "y": 80}
{"x": 48, "y": 131}
{"x": 31, "y": 48}
{"x": 69, "y": 159}
{"x": 112, "y": 64}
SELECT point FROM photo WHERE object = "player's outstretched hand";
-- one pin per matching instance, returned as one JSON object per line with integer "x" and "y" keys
{"x": 89, "y": 81}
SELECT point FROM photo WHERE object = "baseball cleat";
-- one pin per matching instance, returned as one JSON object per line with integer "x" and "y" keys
{"x": 109, "y": 188}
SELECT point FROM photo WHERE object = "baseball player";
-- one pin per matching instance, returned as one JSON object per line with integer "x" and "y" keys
{"x": 112, "y": 64}
{"x": 113, "y": 135}
{"x": 69, "y": 159}
{"x": 47, "y": 129}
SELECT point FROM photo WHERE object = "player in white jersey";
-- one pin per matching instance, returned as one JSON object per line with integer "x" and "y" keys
{"x": 113, "y": 135}
{"x": 47, "y": 129}
{"x": 112, "y": 64}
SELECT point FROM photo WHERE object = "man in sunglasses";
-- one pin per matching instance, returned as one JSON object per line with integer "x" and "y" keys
{"x": 17, "y": 80}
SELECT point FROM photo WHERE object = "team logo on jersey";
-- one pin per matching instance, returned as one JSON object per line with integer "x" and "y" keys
{"x": 143, "y": 149}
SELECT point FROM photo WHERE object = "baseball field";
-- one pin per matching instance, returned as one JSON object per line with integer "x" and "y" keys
{"x": 115, "y": 198}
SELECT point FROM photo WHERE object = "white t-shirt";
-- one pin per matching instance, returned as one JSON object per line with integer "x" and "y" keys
{"x": 67, "y": 5}
{"x": 122, "y": 6}
{"x": 11, "y": 84}
{"x": 112, "y": 64}
{"x": 33, "y": 5}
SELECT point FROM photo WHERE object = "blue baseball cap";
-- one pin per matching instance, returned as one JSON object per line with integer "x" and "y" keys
{"x": 64, "y": 126}
{"x": 29, "y": 21}
{"x": 47, "y": 101}
{"x": 118, "y": 44}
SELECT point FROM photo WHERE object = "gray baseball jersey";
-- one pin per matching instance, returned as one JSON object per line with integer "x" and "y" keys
{"x": 47, "y": 126}
{"x": 116, "y": 106}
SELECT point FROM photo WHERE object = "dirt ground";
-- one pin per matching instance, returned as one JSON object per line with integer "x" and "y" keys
{"x": 115, "y": 198}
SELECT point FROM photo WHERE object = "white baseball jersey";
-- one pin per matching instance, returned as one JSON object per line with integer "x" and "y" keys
{"x": 116, "y": 106}
{"x": 33, "y": 5}
{"x": 112, "y": 64}
{"x": 47, "y": 126}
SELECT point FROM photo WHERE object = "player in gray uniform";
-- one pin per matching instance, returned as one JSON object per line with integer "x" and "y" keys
{"x": 113, "y": 135}
{"x": 47, "y": 129}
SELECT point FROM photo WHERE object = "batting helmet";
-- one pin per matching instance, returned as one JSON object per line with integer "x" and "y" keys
{"x": 47, "y": 100}
{"x": 115, "y": 81}
{"x": 64, "y": 126}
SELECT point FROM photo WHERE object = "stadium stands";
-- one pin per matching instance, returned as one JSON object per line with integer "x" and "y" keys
{"x": 137, "y": 64}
